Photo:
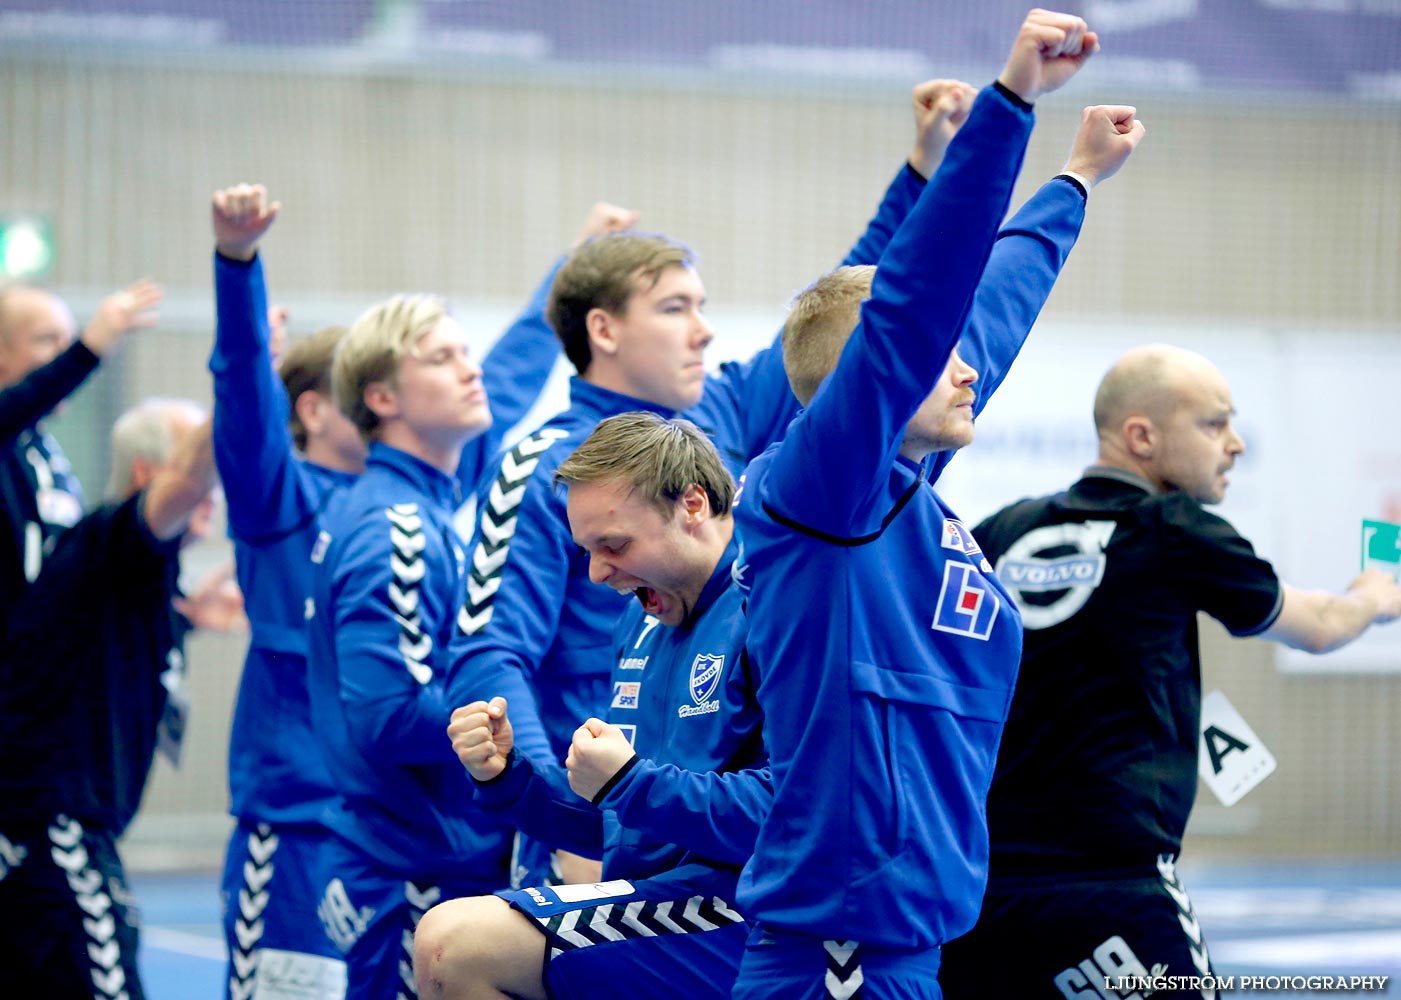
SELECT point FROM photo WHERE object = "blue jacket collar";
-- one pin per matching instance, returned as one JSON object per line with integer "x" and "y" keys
{"x": 719, "y": 580}
{"x": 429, "y": 480}
{"x": 587, "y": 396}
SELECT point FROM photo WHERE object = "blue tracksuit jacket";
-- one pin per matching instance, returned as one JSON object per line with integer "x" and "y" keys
{"x": 387, "y": 572}
{"x": 274, "y": 501}
{"x": 886, "y": 650}
{"x": 686, "y": 700}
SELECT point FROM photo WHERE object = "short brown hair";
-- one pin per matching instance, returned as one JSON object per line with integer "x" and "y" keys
{"x": 372, "y": 349}
{"x": 306, "y": 367}
{"x": 603, "y": 274}
{"x": 819, "y": 324}
{"x": 656, "y": 457}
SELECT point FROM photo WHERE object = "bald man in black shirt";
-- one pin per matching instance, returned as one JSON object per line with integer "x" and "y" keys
{"x": 1097, "y": 769}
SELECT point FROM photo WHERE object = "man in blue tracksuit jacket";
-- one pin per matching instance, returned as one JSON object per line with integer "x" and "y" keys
{"x": 386, "y": 583}
{"x": 649, "y": 499}
{"x": 628, "y": 310}
{"x": 885, "y": 648}
{"x": 280, "y": 786}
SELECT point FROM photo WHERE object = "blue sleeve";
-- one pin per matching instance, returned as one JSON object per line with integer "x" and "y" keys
{"x": 393, "y": 699}
{"x": 33, "y": 397}
{"x": 514, "y": 374}
{"x": 758, "y": 389}
{"x": 518, "y": 575}
{"x": 538, "y": 800}
{"x": 920, "y": 299}
{"x": 716, "y": 815}
{"x": 1031, "y": 249}
{"x": 900, "y": 198}
{"x": 252, "y": 445}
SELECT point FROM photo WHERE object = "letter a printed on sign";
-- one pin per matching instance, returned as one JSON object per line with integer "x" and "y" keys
{"x": 1230, "y": 757}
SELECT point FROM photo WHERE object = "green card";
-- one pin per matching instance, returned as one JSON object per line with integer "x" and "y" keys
{"x": 1381, "y": 546}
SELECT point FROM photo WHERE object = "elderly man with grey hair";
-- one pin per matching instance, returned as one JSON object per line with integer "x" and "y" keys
{"x": 90, "y": 671}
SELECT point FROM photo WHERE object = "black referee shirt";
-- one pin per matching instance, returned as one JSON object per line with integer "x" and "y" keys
{"x": 80, "y": 673}
{"x": 1098, "y": 763}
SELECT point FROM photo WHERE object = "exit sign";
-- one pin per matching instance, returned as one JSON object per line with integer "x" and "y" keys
{"x": 1381, "y": 546}
{"x": 26, "y": 246}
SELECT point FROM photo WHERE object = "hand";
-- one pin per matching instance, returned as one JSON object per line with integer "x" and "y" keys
{"x": 1049, "y": 49}
{"x": 216, "y": 604}
{"x": 597, "y": 752}
{"x": 1108, "y": 134}
{"x": 120, "y": 313}
{"x": 1378, "y": 586}
{"x": 940, "y": 106}
{"x": 277, "y": 334}
{"x": 603, "y": 219}
{"x": 481, "y": 737}
{"x": 241, "y": 217}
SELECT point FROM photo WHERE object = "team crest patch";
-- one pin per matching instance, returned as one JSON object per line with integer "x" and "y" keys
{"x": 706, "y": 671}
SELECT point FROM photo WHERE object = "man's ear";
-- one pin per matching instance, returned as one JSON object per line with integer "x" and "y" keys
{"x": 382, "y": 400}
{"x": 602, "y": 328}
{"x": 1140, "y": 437}
{"x": 696, "y": 503}
{"x": 143, "y": 471}
{"x": 307, "y": 409}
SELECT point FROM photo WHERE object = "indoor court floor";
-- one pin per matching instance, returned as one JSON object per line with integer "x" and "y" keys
{"x": 1261, "y": 920}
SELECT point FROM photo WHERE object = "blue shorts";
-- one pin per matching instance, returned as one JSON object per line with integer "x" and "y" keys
{"x": 1065, "y": 935}
{"x": 673, "y": 935}
{"x": 371, "y": 914}
{"x": 779, "y": 965}
{"x": 271, "y": 887}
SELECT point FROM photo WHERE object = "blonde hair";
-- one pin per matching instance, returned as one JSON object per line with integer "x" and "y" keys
{"x": 819, "y": 324}
{"x": 603, "y": 274}
{"x": 657, "y": 458}
{"x": 373, "y": 348}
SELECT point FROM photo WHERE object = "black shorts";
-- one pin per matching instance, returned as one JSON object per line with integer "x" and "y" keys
{"x": 68, "y": 924}
{"x": 1076, "y": 936}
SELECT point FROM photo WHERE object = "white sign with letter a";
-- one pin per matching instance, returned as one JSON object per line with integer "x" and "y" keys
{"x": 1230, "y": 758}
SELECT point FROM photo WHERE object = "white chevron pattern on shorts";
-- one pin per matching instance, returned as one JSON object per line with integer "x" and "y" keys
{"x": 1187, "y": 917}
{"x": 253, "y": 897}
{"x": 104, "y": 950}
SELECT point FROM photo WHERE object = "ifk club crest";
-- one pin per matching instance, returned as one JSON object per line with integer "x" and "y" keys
{"x": 706, "y": 671}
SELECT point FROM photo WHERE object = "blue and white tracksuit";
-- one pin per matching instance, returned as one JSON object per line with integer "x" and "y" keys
{"x": 278, "y": 780}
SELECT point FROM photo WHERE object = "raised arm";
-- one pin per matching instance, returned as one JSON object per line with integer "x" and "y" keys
{"x": 1317, "y": 621}
{"x": 180, "y": 485}
{"x": 35, "y": 396}
{"x": 252, "y": 444}
{"x": 755, "y": 393}
{"x": 518, "y": 365}
{"x": 920, "y": 297}
{"x": 1033, "y": 246}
